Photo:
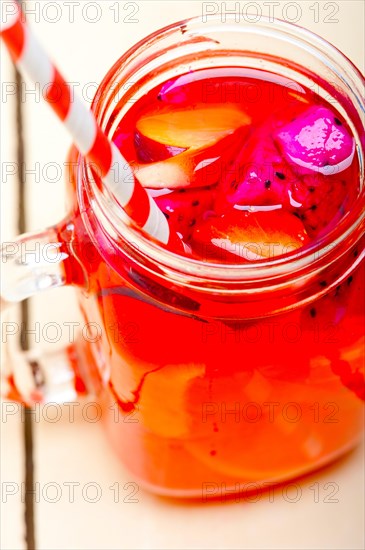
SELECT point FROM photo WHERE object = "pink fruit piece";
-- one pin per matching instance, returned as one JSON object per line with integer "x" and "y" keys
{"x": 259, "y": 176}
{"x": 184, "y": 209}
{"x": 320, "y": 201}
{"x": 317, "y": 140}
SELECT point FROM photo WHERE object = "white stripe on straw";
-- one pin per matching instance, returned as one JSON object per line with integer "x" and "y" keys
{"x": 31, "y": 58}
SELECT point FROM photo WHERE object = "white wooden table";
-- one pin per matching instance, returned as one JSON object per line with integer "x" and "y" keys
{"x": 75, "y": 453}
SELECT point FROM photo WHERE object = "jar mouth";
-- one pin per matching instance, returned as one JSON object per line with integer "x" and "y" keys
{"x": 188, "y": 37}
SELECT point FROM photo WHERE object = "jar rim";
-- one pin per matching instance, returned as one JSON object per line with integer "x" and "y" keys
{"x": 308, "y": 257}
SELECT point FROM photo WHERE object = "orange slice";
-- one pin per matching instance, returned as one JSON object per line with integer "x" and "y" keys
{"x": 251, "y": 235}
{"x": 162, "y": 403}
{"x": 207, "y": 136}
{"x": 195, "y": 128}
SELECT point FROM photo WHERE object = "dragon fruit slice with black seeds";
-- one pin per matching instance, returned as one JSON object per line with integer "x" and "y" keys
{"x": 317, "y": 140}
{"x": 320, "y": 201}
{"x": 320, "y": 151}
{"x": 259, "y": 176}
{"x": 184, "y": 208}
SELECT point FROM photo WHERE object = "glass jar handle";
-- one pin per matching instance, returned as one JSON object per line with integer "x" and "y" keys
{"x": 31, "y": 264}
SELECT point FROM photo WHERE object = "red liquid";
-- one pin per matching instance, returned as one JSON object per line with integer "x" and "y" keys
{"x": 217, "y": 139}
{"x": 227, "y": 391}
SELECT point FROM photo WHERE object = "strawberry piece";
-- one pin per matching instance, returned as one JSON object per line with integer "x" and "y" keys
{"x": 248, "y": 235}
{"x": 317, "y": 140}
{"x": 184, "y": 208}
{"x": 259, "y": 176}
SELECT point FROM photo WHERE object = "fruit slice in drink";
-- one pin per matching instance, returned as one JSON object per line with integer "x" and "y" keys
{"x": 249, "y": 235}
{"x": 317, "y": 141}
{"x": 184, "y": 208}
{"x": 259, "y": 175}
{"x": 320, "y": 150}
{"x": 162, "y": 402}
{"x": 195, "y": 145}
{"x": 277, "y": 429}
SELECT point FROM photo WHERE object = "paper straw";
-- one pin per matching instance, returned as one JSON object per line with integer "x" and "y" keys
{"x": 88, "y": 137}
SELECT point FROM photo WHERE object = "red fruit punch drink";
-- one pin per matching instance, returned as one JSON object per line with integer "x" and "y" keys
{"x": 239, "y": 362}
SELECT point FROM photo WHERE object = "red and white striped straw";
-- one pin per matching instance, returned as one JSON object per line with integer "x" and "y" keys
{"x": 101, "y": 153}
